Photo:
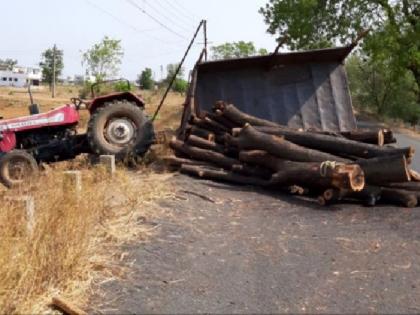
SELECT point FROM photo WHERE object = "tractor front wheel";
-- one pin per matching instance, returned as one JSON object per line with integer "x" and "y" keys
{"x": 16, "y": 167}
{"x": 116, "y": 129}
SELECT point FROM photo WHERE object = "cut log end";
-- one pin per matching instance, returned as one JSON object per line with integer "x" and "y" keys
{"x": 322, "y": 201}
{"x": 351, "y": 175}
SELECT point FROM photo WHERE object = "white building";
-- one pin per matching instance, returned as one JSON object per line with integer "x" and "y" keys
{"x": 20, "y": 76}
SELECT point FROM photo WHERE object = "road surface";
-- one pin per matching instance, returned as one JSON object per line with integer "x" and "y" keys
{"x": 228, "y": 249}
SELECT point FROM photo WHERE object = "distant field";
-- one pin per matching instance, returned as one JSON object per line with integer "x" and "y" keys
{"x": 14, "y": 103}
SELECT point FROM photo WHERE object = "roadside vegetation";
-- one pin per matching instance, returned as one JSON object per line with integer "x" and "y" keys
{"x": 76, "y": 239}
{"x": 385, "y": 71}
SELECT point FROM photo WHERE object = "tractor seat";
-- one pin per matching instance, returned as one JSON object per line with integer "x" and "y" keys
{"x": 34, "y": 109}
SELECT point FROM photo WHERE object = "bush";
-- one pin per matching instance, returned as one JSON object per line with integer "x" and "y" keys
{"x": 374, "y": 89}
{"x": 104, "y": 89}
{"x": 180, "y": 86}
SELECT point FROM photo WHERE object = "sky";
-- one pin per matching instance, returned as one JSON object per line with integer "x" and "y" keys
{"x": 152, "y": 39}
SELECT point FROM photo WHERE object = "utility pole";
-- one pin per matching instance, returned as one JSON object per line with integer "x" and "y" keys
{"x": 205, "y": 39}
{"x": 53, "y": 74}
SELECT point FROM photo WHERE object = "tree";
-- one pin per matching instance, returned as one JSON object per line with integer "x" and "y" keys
{"x": 374, "y": 90}
{"x": 145, "y": 79}
{"x": 393, "y": 41}
{"x": 103, "y": 60}
{"x": 180, "y": 84}
{"x": 8, "y": 63}
{"x": 47, "y": 64}
{"x": 236, "y": 50}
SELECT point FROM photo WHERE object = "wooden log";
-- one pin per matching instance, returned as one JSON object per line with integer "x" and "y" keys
{"x": 66, "y": 307}
{"x": 208, "y": 124}
{"x": 369, "y": 195}
{"x": 176, "y": 162}
{"x": 374, "y": 136}
{"x": 385, "y": 170}
{"x": 222, "y": 175}
{"x": 204, "y": 144}
{"x": 414, "y": 176}
{"x": 202, "y": 133}
{"x": 234, "y": 114}
{"x": 399, "y": 197}
{"x": 388, "y": 136}
{"x": 298, "y": 190}
{"x": 306, "y": 174}
{"x": 410, "y": 186}
{"x": 218, "y": 116}
{"x": 254, "y": 171}
{"x": 251, "y": 139}
{"x": 212, "y": 157}
{"x": 336, "y": 145}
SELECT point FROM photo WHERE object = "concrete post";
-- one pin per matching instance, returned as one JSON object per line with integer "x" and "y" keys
{"x": 27, "y": 205}
{"x": 108, "y": 161}
{"x": 72, "y": 182}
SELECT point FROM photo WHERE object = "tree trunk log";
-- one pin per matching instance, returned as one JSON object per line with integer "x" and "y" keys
{"x": 414, "y": 176}
{"x": 221, "y": 121}
{"x": 222, "y": 175}
{"x": 399, "y": 197}
{"x": 336, "y": 145}
{"x": 203, "y": 155}
{"x": 251, "y": 139}
{"x": 410, "y": 186}
{"x": 369, "y": 195}
{"x": 204, "y": 144}
{"x": 208, "y": 124}
{"x": 241, "y": 118}
{"x": 385, "y": 170}
{"x": 314, "y": 174}
{"x": 255, "y": 171}
{"x": 202, "y": 133}
{"x": 174, "y": 161}
{"x": 366, "y": 136}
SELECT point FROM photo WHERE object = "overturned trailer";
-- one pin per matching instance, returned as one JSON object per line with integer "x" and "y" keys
{"x": 302, "y": 90}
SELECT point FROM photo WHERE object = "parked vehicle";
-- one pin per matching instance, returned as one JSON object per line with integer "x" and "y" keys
{"x": 118, "y": 125}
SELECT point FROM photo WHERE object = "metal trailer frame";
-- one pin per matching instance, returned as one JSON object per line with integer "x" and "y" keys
{"x": 303, "y": 90}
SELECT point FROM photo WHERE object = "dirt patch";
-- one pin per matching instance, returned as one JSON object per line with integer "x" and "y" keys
{"x": 230, "y": 249}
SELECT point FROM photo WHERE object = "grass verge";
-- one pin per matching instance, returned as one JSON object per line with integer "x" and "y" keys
{"x": 74, "y": 240}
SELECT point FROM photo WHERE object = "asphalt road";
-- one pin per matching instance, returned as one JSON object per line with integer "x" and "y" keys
{"x": 407, "y": 140}
{"x": 227, "y": 249}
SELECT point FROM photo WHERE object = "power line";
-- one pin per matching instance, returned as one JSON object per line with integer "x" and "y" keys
{"x": 142, "y": 10}
{"x": 132, "y": 27}
{"x": 173, "y": 20}
{"x": 180, "y": 12}
{"x": 187, "y": 10}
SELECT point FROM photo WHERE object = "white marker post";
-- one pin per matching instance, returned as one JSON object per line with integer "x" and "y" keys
{"x": 27, "y": 205}
{"x": 72, "y": 183}
{"x": 108, "y": 161}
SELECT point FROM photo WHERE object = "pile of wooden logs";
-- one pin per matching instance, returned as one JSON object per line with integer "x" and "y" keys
{"x": 232, "y": 146}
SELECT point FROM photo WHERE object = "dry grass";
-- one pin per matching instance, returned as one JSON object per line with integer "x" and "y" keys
{"x": 14, "y": 103}
{"x": 74, "y": 240}
{"x": 74, "y": 243}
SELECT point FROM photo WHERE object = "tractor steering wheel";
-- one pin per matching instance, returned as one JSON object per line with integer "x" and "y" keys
{"x": 77, "y": 102}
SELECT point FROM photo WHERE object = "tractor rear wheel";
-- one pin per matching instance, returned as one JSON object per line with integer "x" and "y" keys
{"x": 116, "y": 129}
{"x": 16, "y": 167}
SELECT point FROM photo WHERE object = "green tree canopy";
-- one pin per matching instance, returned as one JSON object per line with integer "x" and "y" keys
{"x": 103, "y": 60}
{"x": 47, "y": 64}
{"x": 8, "y": 63}
{"x": 236, "y": 50}
{"x": 180, "y": 85}
{"x": 145, "y": 79}
{"x": 393, "y": 42}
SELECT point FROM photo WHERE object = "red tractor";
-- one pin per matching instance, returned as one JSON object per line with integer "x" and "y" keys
{"x": 117, "y": 126}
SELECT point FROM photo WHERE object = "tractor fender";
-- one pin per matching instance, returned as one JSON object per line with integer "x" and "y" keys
{"x": 7, "y": 141}
{"x": 124, "y": 96}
